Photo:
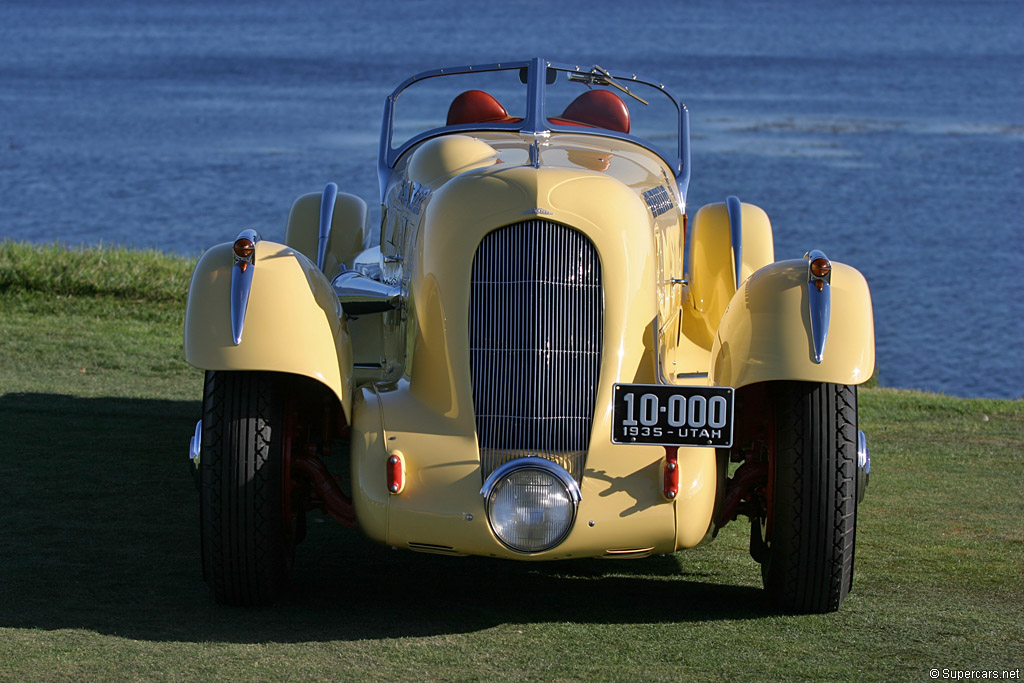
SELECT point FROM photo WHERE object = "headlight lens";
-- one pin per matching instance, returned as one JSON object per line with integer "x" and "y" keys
{"x": 531, "y": 504}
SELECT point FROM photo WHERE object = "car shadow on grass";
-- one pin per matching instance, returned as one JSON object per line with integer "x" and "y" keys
{"x": 100, "y": 533}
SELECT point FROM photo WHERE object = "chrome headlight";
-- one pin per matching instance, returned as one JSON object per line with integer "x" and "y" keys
{"x": 531, "y": 503}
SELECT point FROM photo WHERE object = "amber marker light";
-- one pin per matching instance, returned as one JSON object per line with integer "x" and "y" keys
{"x": 820, "y": 267}
{"x": 244, "y": 248}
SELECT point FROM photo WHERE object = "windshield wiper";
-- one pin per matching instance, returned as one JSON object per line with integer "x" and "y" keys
{"x": 600, "y": 76}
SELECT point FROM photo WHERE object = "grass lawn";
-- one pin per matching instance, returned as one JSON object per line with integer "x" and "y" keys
{"x": 99, "y": 546}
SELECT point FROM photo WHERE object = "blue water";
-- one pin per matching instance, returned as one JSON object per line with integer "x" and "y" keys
{"x": 888, "y": 134}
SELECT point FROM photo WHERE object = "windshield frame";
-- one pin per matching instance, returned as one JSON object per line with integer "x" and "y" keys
{"x": 536, "y": 122}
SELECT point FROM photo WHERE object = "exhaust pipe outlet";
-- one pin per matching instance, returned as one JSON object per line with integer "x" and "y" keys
{"x": 326, "y": 490}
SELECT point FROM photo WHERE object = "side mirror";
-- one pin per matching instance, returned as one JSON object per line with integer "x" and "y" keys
{"x": 360, "y": 295}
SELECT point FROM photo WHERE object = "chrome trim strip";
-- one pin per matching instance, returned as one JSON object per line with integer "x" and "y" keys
{"x": 819, "y": 296}
{"x": 682, "y": 170}
{"x": 863, "y": 454}
{"x": 241, "y": 283}
{"x": 195, "y": 443}
{"x": 735, "y": 208}
{"x": 863, "y": 465}
{"x": 535, "y": 153}
{"x": 326, "y": 218}
{"x": 359, "y": 294}
{"x": 533, "y": 462}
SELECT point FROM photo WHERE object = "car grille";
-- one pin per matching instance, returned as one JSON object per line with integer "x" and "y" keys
{"x": 535, "y": 327}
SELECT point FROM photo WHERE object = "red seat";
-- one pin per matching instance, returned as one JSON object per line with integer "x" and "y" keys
{"x": 477, "y": 106}
{"x": 599, "y": 108}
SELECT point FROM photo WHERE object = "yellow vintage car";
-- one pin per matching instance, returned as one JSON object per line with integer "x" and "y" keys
{"x": 536, "y": 355}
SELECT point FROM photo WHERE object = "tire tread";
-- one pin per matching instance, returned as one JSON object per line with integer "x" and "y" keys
{"x": 243, "y": 542}
{"x": 810, "y": 563}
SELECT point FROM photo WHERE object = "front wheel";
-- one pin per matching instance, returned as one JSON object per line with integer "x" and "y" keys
{"x": 807, "y": 565}
{"x": 246, "y": 549}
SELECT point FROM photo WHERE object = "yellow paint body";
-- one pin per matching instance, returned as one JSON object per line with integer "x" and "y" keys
{"x": 444, "y": 196}
{"x": 293, "y": 324}
{"x": 713, "y": 267}
{"x": 765, "y": 333}
{"x": 429, "y": 416}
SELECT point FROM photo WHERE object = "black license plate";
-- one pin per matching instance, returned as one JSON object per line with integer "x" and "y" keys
{"x": 672, "y": 415}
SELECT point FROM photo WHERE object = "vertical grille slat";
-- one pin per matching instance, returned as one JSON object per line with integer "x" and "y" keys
{"x": 535, "y": 325}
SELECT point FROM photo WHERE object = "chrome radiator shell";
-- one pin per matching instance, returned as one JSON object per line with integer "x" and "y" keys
{"x": 536, "y": 329}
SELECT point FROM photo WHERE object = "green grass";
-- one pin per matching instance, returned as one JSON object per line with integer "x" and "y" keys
{"x": 110, "y": 272}
{"x": 93, "y": 322}
{"x": 99, "y": 552}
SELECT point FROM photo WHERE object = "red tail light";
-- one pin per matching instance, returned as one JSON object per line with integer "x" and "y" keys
{"x": 671, "y": 472}
{"x": 396, "y": 473}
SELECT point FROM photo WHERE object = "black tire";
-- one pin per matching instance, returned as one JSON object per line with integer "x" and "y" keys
{"x": 808, "y": 563}
{"x": 246, "y": 551}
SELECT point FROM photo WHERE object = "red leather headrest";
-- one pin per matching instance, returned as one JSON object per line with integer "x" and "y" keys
{"x": 476, "y": 106}
{"x": 601, "y": 108}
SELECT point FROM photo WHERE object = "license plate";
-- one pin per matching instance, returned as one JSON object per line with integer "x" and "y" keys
{"x": 672, "y": 415}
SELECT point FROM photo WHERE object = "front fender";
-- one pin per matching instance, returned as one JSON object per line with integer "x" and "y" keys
{"x": 765, "y": 333}
{"x": 723, "y": 237}
{"x": 293, "y": 321}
